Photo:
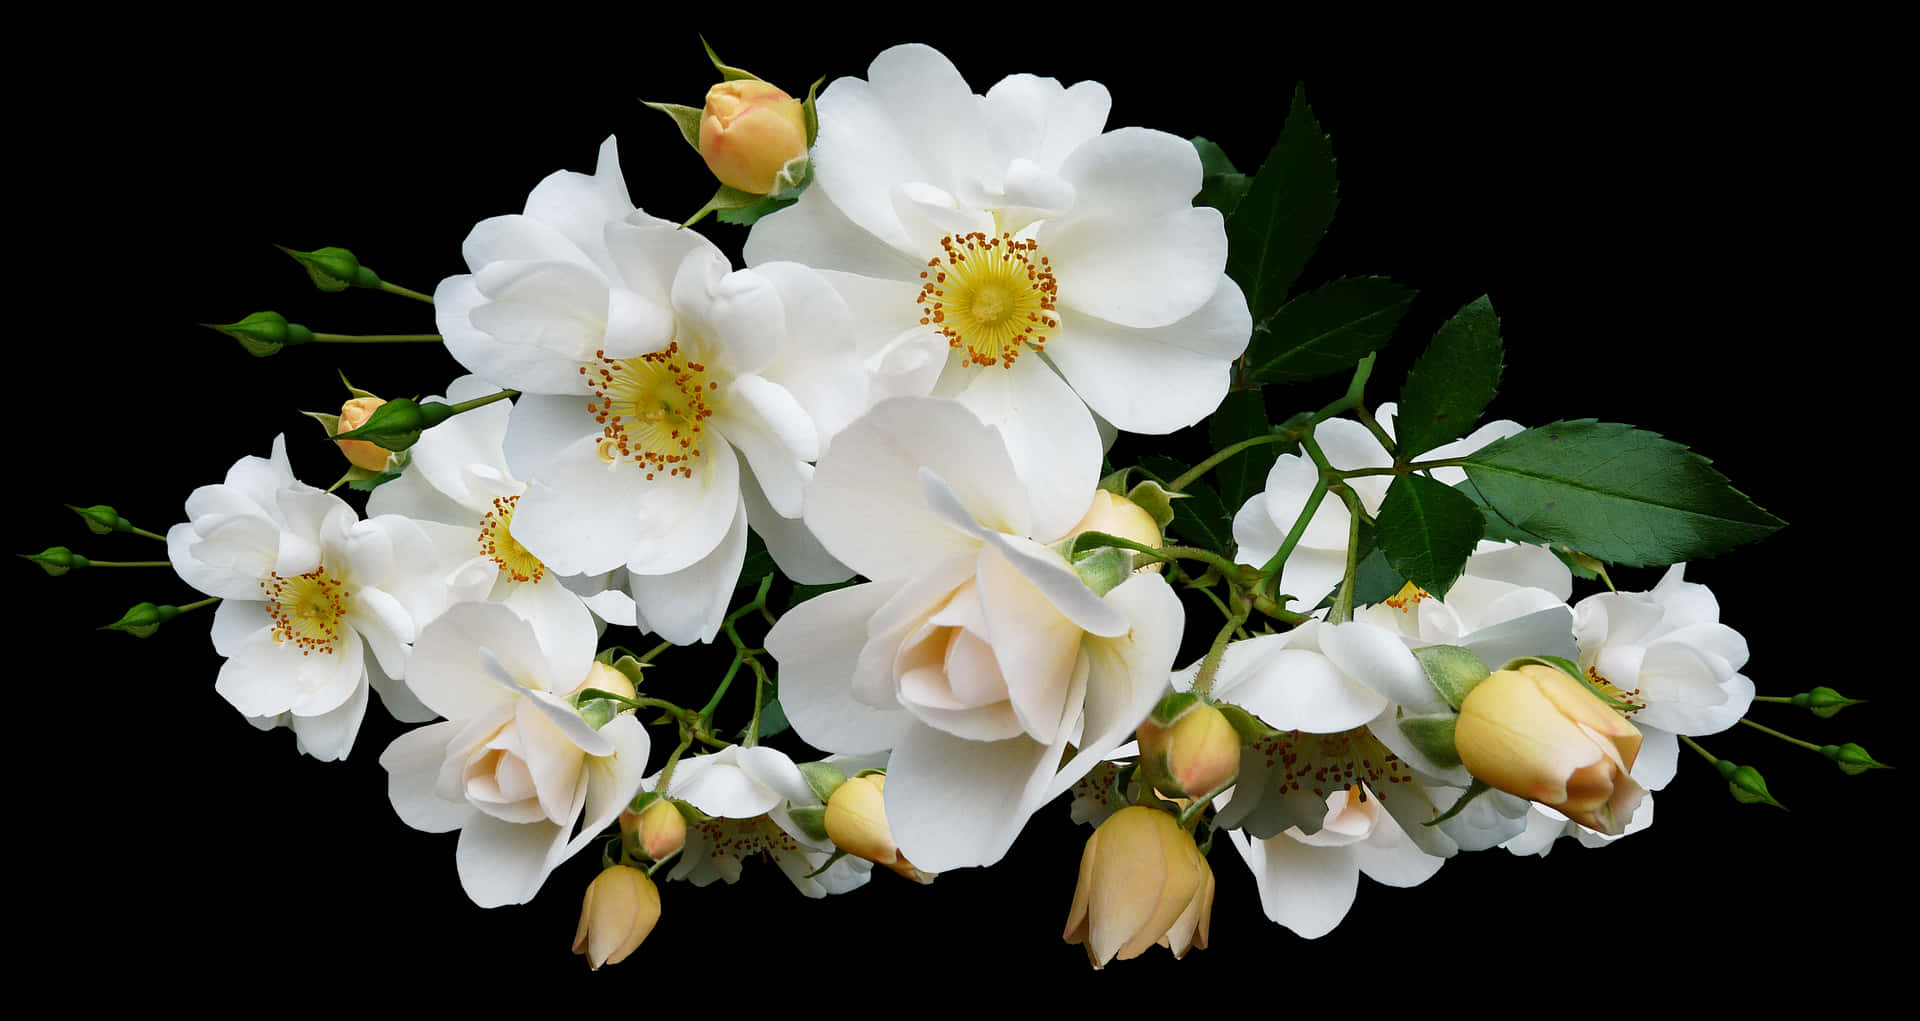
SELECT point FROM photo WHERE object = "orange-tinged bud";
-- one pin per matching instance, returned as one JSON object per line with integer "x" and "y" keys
{"x": 748, "y": 131}
{"x": 857, "y": 824}
{"x": 1194, "y": 756}
{"x": 662, "y": 829}
{"x": 602, "y": 677}
{"x": 1142, "y": 882}
{"x": 1539, "y": 734}
{"x": 361, "y": 453}
{"x": 621, "y": 907}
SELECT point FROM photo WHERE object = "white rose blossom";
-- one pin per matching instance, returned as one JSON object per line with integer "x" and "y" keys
{"x": 748, "y": 793}
{"x": 975, "y": 652}
{"x": 1318, "y": 562}
{"x": 988, "y": 246}
{"x": 514, "y": 767}
{"x": 666, "y": 401}
{"x": 316, "y": 604}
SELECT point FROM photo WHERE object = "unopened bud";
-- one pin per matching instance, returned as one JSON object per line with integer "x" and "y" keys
{"x": 362, "y": 454}
{"x": 1823, "y": 701}
{"x": 1118, "y": 516}
{"x": 397, "y": 424}
{"x": 662, "y": 830}
{"x": 144, "y": 619}
{"x": 621, "y": 907}
{"x": 333, "y": 269}
{"x": 1852, "y": 758}
{"x": 265, "y": 333}
{"x": 102, "y": 519}
{"x": 57, "y": 560}
{"x": 1745, "y": 784}
{"x": 857, "y": 824}
{"x": 1192, "y": 756}
{"x": 749, "y": 131}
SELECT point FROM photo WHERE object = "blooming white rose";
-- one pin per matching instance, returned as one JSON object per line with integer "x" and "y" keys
{"x": 316, "y": 605}
{"x": 1318, "y": 562}
{"x": 514, "y": 767}
{"x": 975, "y": 653}
{"x": 992, "y": 241}
{"x": 666, "y": 401}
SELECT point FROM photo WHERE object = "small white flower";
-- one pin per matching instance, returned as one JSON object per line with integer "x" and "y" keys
{"x": 315, "y": 603}
{"x": 666, "y": 400}
{"x": 515, "y": 767}
{"x": 975, "y": 653}
{"x": 994, "y": 241}
{"x": 1307, "y": 882}
{"x": 748, "y": 793}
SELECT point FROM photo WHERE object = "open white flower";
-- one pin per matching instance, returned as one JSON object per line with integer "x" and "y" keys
{"x": 1319, "y": 560}
{"x": 514, "y": 767}
{"x": 667, "y": 401}
{"x": 747, "y": 793}
{"x": 316, "y": 604}
{"x": 1307, "y": 882}
{"x": 994, "y": 240}
{"x": 975, "y": 653}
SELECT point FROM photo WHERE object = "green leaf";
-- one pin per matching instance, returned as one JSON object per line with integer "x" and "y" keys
{"x": 1221, "y": 186}
{"x": 1620, "y": 494}
{"x": 1452, "y": 382}
{"x": 1327, "y": 329}
{"x": 1201, "y": 519}
{"x": 1242, "y": 416}
{"x": 1427, "y": 531}
{"x": 1374, "y": 580}
{"x": 686, "y": 118}
{"x": 1284, "y": 213}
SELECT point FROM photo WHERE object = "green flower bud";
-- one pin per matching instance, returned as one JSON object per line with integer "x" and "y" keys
{"x": 265, "y": 333}
{"x": 1852, "y": 759}
{"x": 101, "y": 519}
{"x": 57, "y": 560}
{"x": 144, "y": 619}
{"x": 1745, "y": 783}
{"x": 1824, "y": 702}
{"x": 333, "y": 269}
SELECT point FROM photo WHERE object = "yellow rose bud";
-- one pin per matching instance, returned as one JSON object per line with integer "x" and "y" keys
{"x": 748, "y": 131}
{"x": 1539, "y": 734}
{"x": 857, "y": 824}
{"x": 662, "y": 829}
{"x": 605, "y": 678}
{"x": 1117, "y": 515}
{"x": 361, "y": 453}
{"x": 1196, "y": 755}
{"x": 621, "y": 907}
{"x": 1142, "y": 882}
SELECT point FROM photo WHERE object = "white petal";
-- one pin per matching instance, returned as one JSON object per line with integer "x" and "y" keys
{"x": 413, "y": 764}
{"x": 1138, "y": 272}
{"x": 1127, "y": 674}
{"x": 1038, "y": 119}
{"x": 1307, "y": 889}
{"x": 447, "y": 673}
{"x": 953, "y": 803}
{"x": 789, "y": 541}
{"x": 687, "y": 606}
{"x": 772, "y": 431}
{"x": 817, "y": 645}
{"x": 1050, "y": 437}
{"x": 505, "y": 863}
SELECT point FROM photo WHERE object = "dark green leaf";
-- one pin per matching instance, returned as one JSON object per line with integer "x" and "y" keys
{"x": 1327, "y": 329}
{"x": 1221, "y": 186}
{"x": 1427, "y": 531}
{"x": 1242, "y": 416}
{"x": 1452, "y": 382}
{"x": 1375, "y": 580}
{"x": 1620, "y": 494}
{"x": 1284, "y": 213}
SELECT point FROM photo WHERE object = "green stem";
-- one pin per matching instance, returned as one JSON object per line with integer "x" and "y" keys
{"x": 405, "y": 292}
{"x": 1695, "y": 745}
{"x": 481, "y": 402}
{"x": 1810, "y": 746}
{"x": 1351, "y": 399}
{"x": 1279, "y": 558}
{"x": 142, "y": 531}
{"x": 1414, "y": 466}
{"x": 706, "y": 711}
{"x": 666, "y": 772}
{"x": 760, "y": 682}
{"x": 655, "y": 651}
{"x": 209, "y": 601}
{"x": 1785, "y": 699}
{"x": 1366, "y": 418}
{"x": 1186, "y": 478}
{"x": 129, "y": 563}
{"x": 377, "y": 338}
{"x": 1342, "y": 611}
{"x": 1203, "y": 680}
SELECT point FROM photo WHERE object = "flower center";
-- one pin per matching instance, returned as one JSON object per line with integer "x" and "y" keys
{"x": 498, "y": 544}
{"x": 990, "y": 297}
{"x": 1324, "y": 763}
{"x": 651, "y": 409}
{"x": 1618, "y": 694}
{"x": 743, "y": 838}
{"x": 1408, "y": 597}
{"x": 307, "y": 609}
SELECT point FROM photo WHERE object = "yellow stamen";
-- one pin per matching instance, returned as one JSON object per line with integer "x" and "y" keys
{"x": 990, "y": 297}
{"x": 307, "y": 609}
{"x": 498, "y": 544}
{"x": 652, "y": 409}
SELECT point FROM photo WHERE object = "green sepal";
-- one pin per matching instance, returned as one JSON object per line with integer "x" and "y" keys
{"x": 812, "y": 820}
{"x": 1433, "y": 735}
{"x": 823, "y": 778}
{"x": 144, "y": 619}
{"x": 329, "y": 422}
{"x": 1745, "y": 784}
{"x": 730, "y": 74}
{"x": 365, "y": 480}
{"x": 1103, "y": 569}
{"x": 642, "y": 800}
{"x": 1173, "y": 707}
{"x": 1250, "y": 727}
{"x": 686, "y": 118}
{"x": 1477, "y": 788}
{"x": 631, "y": 668}
{"x": 1852, "y": 759}
{"x": 333, "y": 269}
{"x": 724, "y": 198}
{"x": 397, "y": 424}
{"x": 57, "y": 560}
{"x": 812, "y": 113}
{"x": 1155, "y": 499}
{"x": 1452, "y": 670}
{"x": 824, "y": 866}
{"x": 1824, "y": 701}
{"x": 598, "y": 712}
{"x": 102, "y": 519}
{"x": 1115, "y": 482}
{"x": 354, "y": 390}
{"x": 264, "y": 333}
{"x": 692, "y": 815}
{"x": 787, "y": 186}
{"x": 1572, "y": 669}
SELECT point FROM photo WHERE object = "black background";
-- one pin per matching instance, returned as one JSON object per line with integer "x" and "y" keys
{"x": 1671, "y": 223}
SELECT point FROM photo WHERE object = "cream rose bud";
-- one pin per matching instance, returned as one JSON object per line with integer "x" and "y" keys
{"x": 1192, "y": 756}
{"x": 1142, "y": 882}
{"x": 662, "y": 829}
{"x": 856, "y": 822}
{"x": 621, "y": 907}
{"x": 748, "y": 131}
{"x": 361, "y": 453}
{"x": 1117, "y": 515}
{"x": 1539, "y": 734}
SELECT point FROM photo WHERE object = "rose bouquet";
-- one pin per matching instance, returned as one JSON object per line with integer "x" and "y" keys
{"x": 1080, "y": 521}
